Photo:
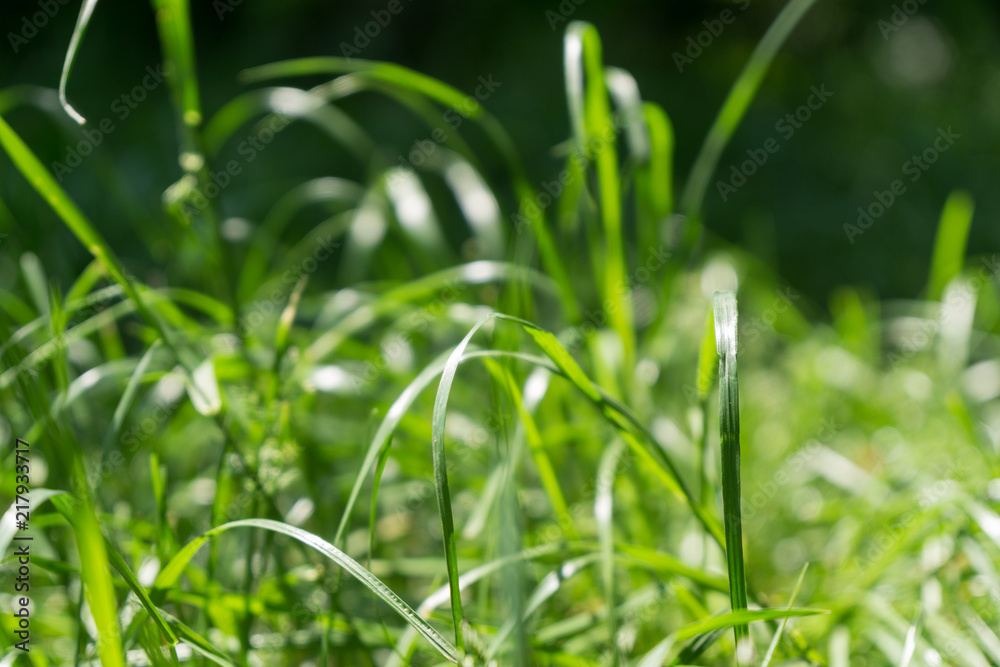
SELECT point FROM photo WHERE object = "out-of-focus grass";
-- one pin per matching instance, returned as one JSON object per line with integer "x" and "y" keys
{"x": 591, "y": 506}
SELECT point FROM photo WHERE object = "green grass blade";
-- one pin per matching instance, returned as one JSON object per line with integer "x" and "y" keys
{"x": 766, "y": 662}
{"x": 604, "y": 516}
{"x": 140, "y": 592}
{"x": 735, "y": 106}
{"x": 95, "y": 576}
{"x": 172, "y": 571}
{"x": 82, "y": 21}
{"x": 726, "y": 328}
{"x": 441, "y": 474}
{"x": 128, "y": 397}
{"x": 949, "y": 246}
{"x": 583, "y": 57}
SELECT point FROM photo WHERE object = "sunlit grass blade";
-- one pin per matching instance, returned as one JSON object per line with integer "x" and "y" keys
{"x": 729, "y": 425}
{"x": 735, "y": 106}
{"x": 949, "y": 246}
{"x": 82, "y": 21}
{"x": 597, "y": 145}
{"x": 172, "y": 571}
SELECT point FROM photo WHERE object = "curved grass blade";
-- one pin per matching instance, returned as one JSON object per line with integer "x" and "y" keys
{"x": 172, "y": 571}
{"x": 441, "y": 474}
{"x": 82, "y": 21}
{"x": 729, "y": 426}
{"x": 735, "y": 106}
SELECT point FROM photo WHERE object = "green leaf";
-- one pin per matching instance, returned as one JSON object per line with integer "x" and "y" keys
{"x": 82, "y": 21}
{"x": 949, "y": 247}
{"x": 726, "y": 327}
{"x": 736, "y": 104}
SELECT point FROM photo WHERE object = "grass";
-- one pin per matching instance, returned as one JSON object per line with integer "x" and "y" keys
{"x": 238, "y": 468}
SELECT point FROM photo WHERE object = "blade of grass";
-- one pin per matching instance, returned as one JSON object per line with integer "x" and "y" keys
{"x": 735, "y": 106}
{"x": 766, "y": 662}
{"x": 726, "y": 327}
{"x": 82, "y": 21}
{"x": 584, "y": 58}
{"x": 172, "y": 571}
{"x": 949, "y": 246}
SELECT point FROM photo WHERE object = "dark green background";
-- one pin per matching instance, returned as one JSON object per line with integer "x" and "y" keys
{"x": 791, "y": 213}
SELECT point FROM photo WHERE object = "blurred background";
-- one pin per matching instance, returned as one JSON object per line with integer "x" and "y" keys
{"x": 898, "y": 73}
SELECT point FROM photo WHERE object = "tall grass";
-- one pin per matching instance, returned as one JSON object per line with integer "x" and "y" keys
{"x": 591, "y": 507}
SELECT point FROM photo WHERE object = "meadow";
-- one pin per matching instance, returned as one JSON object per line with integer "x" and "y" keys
{"x": 438, "y": 412}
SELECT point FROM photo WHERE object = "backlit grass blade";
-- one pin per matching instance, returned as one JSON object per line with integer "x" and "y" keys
{"x": 949, "y": 246}
{"x": 654, "y": 186}
{"x": 598, "y": 146}
{"x": 172, "y": 571}
{"x": 735, "y": 106}
{"x": 82, "y": 21}
{"x": 729, "y": 426}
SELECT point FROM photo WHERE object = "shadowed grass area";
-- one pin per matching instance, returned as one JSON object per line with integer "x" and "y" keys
{"x": 542, "y": 367}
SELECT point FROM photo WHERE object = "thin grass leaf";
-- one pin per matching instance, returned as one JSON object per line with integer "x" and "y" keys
{"x": 735, "y": 106}
{"x": 128, "y": 397}
{"x": 82, "y": 21}
{"x": 172, "y": 571}
{"x": 910, "y": 643}
{"x": 441, "y": 475}
{"x": 726, "y": 327}
{"x": 583, "y": 57}
{"x": 949, "y": 246}
{"x": 604, "y": 516}
{"x": 769, "y": 655}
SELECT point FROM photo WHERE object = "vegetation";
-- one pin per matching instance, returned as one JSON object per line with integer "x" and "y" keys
{"x": 446, "y": 414}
